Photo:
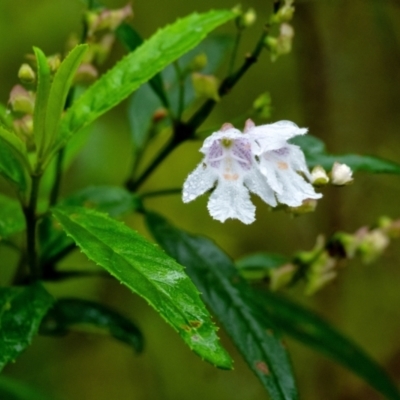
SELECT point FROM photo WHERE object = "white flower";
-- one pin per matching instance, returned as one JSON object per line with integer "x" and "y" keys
{"x": 341, "y": 174}
{"x": 282, "y": 164}
{"x": 229, "y": 163}
{"x": 260, "y": 161}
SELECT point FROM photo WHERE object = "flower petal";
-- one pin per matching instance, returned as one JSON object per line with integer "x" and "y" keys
{"x": 273, "y": 136}
{"x": 198, "y": 182}
{"x": 295, "y": 189}
{"x": 231, "y": 200}
{"x": 256, "y": 183}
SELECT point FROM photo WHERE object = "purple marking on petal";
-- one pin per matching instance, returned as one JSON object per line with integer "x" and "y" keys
{"x": 215, "y": 152}
{"x": 242, "y": 150}
{"x": 283, "y": 151}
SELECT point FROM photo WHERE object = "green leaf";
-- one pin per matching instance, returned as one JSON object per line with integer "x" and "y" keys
{"x": 232, "y": 300}
{"x": 315, "y": 152}
{"x": 150, "y": 273}
{"x": 259, "y": 265}
{"x": 138, "y": 67}
{"x": 132, "y": 40}
{"x": 22, "y": 309}
{"x": 71, "y": 312}
{"x": 11, "y": 217}
{"x": 14, "y": 165}
{"x": 310, "y": 329}
{"x": 11, "y": 389}
{"x": 144, "y": 102}
{"x": 114, "y": 201}
{"x": 42, "y": 98}
{"x": 5, "y": 117}
{"x": 59, "y": 92}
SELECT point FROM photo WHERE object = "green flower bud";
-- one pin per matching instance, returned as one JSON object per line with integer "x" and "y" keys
{"x": 198, "y": 63}
{"x": 282, "y": 276}
{"x": 206, "y": 86}
{"x": 320, "y": 273}
{"x": 26, "y": 74}
{"x": 262, "y": 106}
{"x": 284, "y": 14}
{"x": 21, "y": 100}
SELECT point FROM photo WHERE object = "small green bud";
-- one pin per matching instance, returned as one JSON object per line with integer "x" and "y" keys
{"x": 372, "y": 245}
{"x": 26, "y": 74}
{"x": 247, "y": 19}
{"x": 198, "y": 63}
{"x": 284, "y": 14}
{"x": 320, "y": 273}
{"x": 282, "y": 276}
{"x": 21, "y": 100}
{"x": 262, "y": 106}
{"x": 54, "y": 62}
{"x": 282, "y": 44}
{"x": 206, "y": 86}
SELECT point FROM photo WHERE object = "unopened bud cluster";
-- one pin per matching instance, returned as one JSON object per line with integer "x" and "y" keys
{"x": 282, "y": 43}
{"x": 320, "y": 266}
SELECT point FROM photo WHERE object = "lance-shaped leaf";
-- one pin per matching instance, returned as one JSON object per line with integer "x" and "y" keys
{"x": 231, "y": 299}
{"x": 310, "y": 329}
{"x": 59, "y": 91}
{"x": 42, "y": 98}
{"x": 70, "y": 313}
{"x": 132, "y": 40}
{"x": 11, "y": 217}
{"x": 138, "y": 67}
{"x": 14, "y": 164}
{"x": 315, "y": 152}
{"x": 21, "y": 311}
{"x": 149, "y": 272}
{"x": 114, "y": 201}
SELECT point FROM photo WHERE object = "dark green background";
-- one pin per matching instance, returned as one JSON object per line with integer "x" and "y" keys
{"x": 342, "y": 80}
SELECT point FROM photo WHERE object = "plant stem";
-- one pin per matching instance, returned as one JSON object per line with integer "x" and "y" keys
{"x": 227, "y": 84}
{"x": 235, "y": 51}
{"x": 163, "y": 192}
{"x": 185, "y": 131}
{"x": 55, "y": 190}
{"x": 30, "y": 219}
{"x": 132, "y": 184}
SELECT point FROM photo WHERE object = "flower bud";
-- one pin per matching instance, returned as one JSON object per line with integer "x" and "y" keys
{"x": 262, "y": 106}
{"x": 86, "y": 73}
{"x": 319, "y": 176}
{"x": 21, "y": 100}
{"x": 26, "y": 74}
{"x": 54, "y": 62}
{"x": 341, "y": 174}
{"x": 284, "y": 14}
{"x": 247, "y": 19}
{"x": 282, "y": 276}
{"x": 308, "y": 205}
{"x": 102, "y": 49}
{"x": 282, "y": 44}
{"x": 206, "y": 86}
{"x": 107, "y": 19}
{"x": 198, "y": 63}
{"x": 320, "y": 273}
{"x": 159, "y": 114}
{"x": 372, "y": 245}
